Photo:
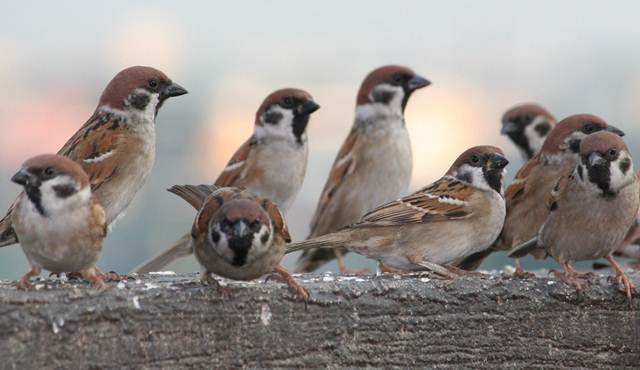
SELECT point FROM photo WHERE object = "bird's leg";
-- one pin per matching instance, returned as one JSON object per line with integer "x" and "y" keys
{"x": 388, "y": 270}
{"x": 207, "y": 279}
{"x": 520, "y": 273}
{"x": 110, "y": 276}
{"x": 24, "y": 283}
{"x": 91, "y": 275}
{"x": 344, "y": 270}
{"x": 571, "y": 276}
{"x": 621, "y": 278}
{"x": 281, "y": 274}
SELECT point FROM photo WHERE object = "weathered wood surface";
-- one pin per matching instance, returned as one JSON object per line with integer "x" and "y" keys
{"x": 376, "y": 322}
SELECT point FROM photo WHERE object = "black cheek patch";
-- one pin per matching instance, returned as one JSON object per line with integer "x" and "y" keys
{"x": 139, "y": 101}
{"x": 64, "y": 191}
{"x": 382, "y": 96}
{"x": 272, "y": 118}
{"x": 466, "y": 177}
{"x": 215, "y": 236}
{"x": 574, "y": 145}
{"x": 264, "y": 238}
{"x": 625, "y": 164}
{"x": 543, "y": 128}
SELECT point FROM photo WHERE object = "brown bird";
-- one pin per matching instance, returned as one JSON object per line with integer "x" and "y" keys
{"x": 527, "y": 195}
{"x": 237, "y": 235}
{"x": 527, "y": 125}
{"x": 590, "y": 210}
{"x": 59, "y": 223}
{"x": 271, "y": 163}
{"x": 374, "y": 163}
{"x": 116, "y": 146}
{"x": 439, "y": 225}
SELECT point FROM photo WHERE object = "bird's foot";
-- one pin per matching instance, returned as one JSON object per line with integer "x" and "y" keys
{"x": 520, "y": 273}
{"x": 572, "y": 278}
{"x": 280, "y": 274}
{"x": 625, "y": 284}
{"x": 207, "y": 279}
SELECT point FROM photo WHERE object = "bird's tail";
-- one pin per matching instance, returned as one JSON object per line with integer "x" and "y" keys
{"x": 183, "y": 247}
{"x": 7, "y": 234}
{"x": 523, "y": 249}
{"x": 332, "y": 240}
{"x": 193, "y": 194}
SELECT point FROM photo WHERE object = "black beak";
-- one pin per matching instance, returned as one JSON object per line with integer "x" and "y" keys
{"x": 497, "y": 162}
{"x": 509, "y": 128}
{"x": 26, "y": 178}
{"x": 615, "y": 130}
{"x": 417, "y": 82}
{"x": 173, "y": 90}
{"x": 308, "y": 107}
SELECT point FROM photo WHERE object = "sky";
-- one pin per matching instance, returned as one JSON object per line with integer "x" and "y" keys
{"x": 482, "y": 58}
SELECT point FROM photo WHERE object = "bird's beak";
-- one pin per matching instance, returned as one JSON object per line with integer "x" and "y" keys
{"x": 595, "y": 159}
{"x": 308, "y": 107}
{"x": 173, "y": 90}
{"x": 509, "y": 127}
{"x": 417, "y": 82}
{"x": 25, "y": 178}
{"x": 615, "y": 130}
{"x": 240, "y": 229}
{"x": 497, "y": 162}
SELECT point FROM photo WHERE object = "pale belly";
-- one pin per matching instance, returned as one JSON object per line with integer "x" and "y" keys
{"x": 284, "y": 166}
{"x": 52, "y": 243}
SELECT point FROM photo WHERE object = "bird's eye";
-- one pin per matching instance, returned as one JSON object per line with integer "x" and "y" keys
{"x": 49, "y": 171}
{"x": 612, "y": 152}
{"x": 397, "y": 79}
{"x": 589, "y": 128}
{"x": 153, "y": 84}
{"x": 475, "y": 159}
{"x": 288, "y": 102}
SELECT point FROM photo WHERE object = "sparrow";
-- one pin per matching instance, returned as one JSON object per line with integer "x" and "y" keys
{"x": 526, "y": 196}
{"x": 435, "y": 227}
{"x": 374, "y": 163}
{"x": 59, "y": 222}
{"x": 590, "y": 210}
{"x": 116, "y": 146}
{"x": 271, "y": 163}
{"x": 237, "y": 235}
{"x": 527, "y": 125}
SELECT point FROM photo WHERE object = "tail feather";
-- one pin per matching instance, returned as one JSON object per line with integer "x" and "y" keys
{"x": 524, "y": 248}
{"x": 181, "y": 248}
{"x": 193, "y": 194}
{"x": 325, "y": 241}
{"x": 7, "y": 234}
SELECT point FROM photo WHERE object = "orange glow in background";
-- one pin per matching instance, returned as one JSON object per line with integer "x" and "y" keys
{"x": 482, "y": 59}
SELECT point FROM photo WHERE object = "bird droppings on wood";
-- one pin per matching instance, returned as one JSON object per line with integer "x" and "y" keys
{"x": 385, "y": 321}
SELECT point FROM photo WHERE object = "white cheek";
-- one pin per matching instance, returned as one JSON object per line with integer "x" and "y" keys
{"x": 282, "y": 129}
{"x": 534, "y": 138}
{"x": 395, "y": 104}
{"x": 221, "y": 247}
{"x": 474, "y": 175}
{"x": 55, "y": 205}
{"x": 258, "y": 247}
{"x": 619, "y": 179}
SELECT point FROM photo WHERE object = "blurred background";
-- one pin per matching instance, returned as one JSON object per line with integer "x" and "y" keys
{"x": 482, "y": 57}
